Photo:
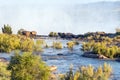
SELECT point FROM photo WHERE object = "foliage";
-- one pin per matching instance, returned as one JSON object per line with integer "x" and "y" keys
{"x": 9, "y": 42}
{"x": 26, "y": 45}
{"x": 4, "y": 73}
{"x": 76, "y": 42}
{"x": 89, "y": 73}
{"x": 87, "y": 46}
{"x": 20, "y": 31}
{"x": 102, "y": 48}
{"x": 53, "y": 34}
{"x": 38, "y": 45}
{"x": 27, "y": 66}
{"x": 70, "y": 45}
{"x": 7, "y": 29}
{"x": 12, "y": 42}
{"x": 57, "y": 45}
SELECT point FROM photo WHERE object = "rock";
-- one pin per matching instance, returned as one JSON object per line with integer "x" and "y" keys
{"x": 92, "y": 55}
{"x": 59, "y": 54}
{"x": 53, "y": 68}
{"x": 2, "y": 59}
{"x": 102, "y": 57}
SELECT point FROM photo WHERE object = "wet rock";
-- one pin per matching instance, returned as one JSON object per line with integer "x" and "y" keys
{"x": 59, "y": 54}
{"x": 92, "y": 55}
{"x": 102, "y": 57}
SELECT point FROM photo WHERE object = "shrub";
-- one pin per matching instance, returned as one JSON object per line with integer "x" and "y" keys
{"x": 20, "y": 31}
{"x": 12, "y": 42}
{"x": 4, "y": 73}
{"x": 89, "y": 73}
{"x": 27, "y": 66}
{"x": 70, "y": 45}
{"x": 87, "y": 46}
{"x": 9, "y": 42}
{"x": 38, "y": 45}
{"x": 57, "y": 45}
{"x": 102, "y": 48}
{"x": 26, "y": 45}
{"x": 7, "y": 29}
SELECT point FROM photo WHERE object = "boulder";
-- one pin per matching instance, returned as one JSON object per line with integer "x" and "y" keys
{"x": 53, "y": 68}
{"x": 102, "y": 57}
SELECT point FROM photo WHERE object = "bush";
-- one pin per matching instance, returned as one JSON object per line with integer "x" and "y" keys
{"x": 70, "y": 45}
{"x": 12, "y": 42}
{"x": 20, "y": 31}
{"x": 89, "y": 73}
{"x": 38, "y": 45}
{"x": 9, "y": 42}
{"x": 57, "y": 45}
{"x": 26, "y": 45}
{"x": 28, "y": 67}
{"x": 102, "y": 48}
{"x": 87, "y": 46}
{"x": 7, "y": 29}
{"x": 4, "y": 73}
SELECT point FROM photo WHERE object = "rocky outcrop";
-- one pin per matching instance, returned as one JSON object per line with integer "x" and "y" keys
{"x": 29, "y": 33}
{"x": 92, "y": 55}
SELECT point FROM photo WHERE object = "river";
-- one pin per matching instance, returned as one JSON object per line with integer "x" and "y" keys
{"x": 63, "y": 62}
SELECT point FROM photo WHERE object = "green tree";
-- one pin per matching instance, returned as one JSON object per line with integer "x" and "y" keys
{"x": 7, "y": 29}
{"x": 27, "y": 66}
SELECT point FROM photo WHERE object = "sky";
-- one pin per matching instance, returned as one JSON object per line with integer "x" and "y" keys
{"x": 45, "y": 16}
{"x": 11, "y": 2}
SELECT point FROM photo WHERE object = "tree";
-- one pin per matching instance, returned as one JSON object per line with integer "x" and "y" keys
{"x": 28, "y": 67}
{"x": 7, "y": 29}
{"x": 20, "y": 31}
{"x": 53, "y": 34}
